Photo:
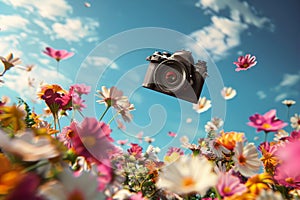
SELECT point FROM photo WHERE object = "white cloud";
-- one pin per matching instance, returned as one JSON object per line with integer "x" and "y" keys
{"x": 101, "y": 62}
{"x": 73, "y": 30}
{"x": 17, "y": 80}
{"x": 225, "y": 31}
{"x": 240, "y": 11}
{"x": 47, "y": 8}
{"x": 281, "y": 96}
{"x": 261, "y": 94}
{"x": 290, "y": 80}
{"x": 222, "y": 35}
{"x": 11, "y": 44}
{"x": 13, "y": 22}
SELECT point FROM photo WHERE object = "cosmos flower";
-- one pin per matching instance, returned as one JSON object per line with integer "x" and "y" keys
{"x": 229, "y": 185}
{"x": 267, "y": 122}
{"x": 259, "y": 182}
{"x": 124, "y": 108}
{"x": 149, "y": 139}
{"x": 29, "y": 147}
{"x": 202, "y": 105}
{"x": 58, "y": 55}
{"x": 229, "y": 139}
{"x": 135, "y": 150}
{"x": 172, "y": 134}
{"x": 122, "y": 142}
{"x": 69, "y": 186}
{"x": 173, "y": 154}
{"x": 228, "y": 93}
{"x": 288, "y": 174}
{"x": 245, "y": 62}
{"x": 91, "y": 139}
{"x": 288, "y": 103}
{"x": 295, "y": 121}
{"x": 80, "y": 89}
{"x": 9, "y": 62}
{"x": 111, "y": 96}
{"x": 246, "y": 159}
{"x": 105, "y": 174}
{"x": 269, "y": 156}
{"x": 188, "y": 174}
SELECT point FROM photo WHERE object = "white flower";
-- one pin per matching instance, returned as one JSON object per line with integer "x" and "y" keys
{"x": 295, "y": 122}
{"x": 246, "y": 159}
{"x": 71, "y": 187}
{"x": 280, "y": 134}
{"x": 228, "y": 93}
{"x": 288, "y": 103}
{"x": 149, "y": 139}
{"x": 202, "y": 105}
{"x": 188, "y": 174}
{"x": 29, "y": 147}
{"x": 111, "y": 97}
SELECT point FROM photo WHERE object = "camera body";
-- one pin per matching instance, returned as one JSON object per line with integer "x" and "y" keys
{"x": 176, "y": 75}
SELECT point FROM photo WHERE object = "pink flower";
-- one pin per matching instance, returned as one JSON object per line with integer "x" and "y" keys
{"x": 172, "y": 134}
{"x": 105, "y": 174}
{"x": 92, "y": 139}
{"x": 245, "y": 62}
{"x": 66, "y": 134}
{"x": 174, "y": 150}
{"x": 138, "y": 196}
{"x": 80, "y": 89}
{"x": 288, "y": 174}
{"x": 77, "y": 102}
{"x": 267, "y": 122}
{"x": 135, "y": 150}
{"x": 122, "y": 142}
{"x": 58, "y": 54}
{"x": 229, "y": 185}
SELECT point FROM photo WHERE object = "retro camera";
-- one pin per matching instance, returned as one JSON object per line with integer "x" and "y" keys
{"x": 176, "y": 75}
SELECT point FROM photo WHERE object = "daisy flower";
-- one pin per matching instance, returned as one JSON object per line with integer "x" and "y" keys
{"x": 188, "y": 174}
{"x": 228, "y": 93}
{"x": 288, "y": 103}
{"x": 246, "y": 159}
{"x": 295, "y": 122}
{"x": 202, "y": 105}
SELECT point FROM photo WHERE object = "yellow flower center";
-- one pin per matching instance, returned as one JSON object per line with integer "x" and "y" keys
{"x": 226, "y": 190}
{"x": 245, "y": 65}
{"x": 266, "y": 126}
{"x": 289, "y": 180}
{"x": 89, "y": 141}
{"x": 188, "y": 182}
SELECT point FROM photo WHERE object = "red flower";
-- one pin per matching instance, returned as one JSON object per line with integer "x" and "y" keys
{"x": 135, "y": 150}
{"x": 245, "y": 63}
{"x": 58, "y": 54}
{"x": 267, "y": 122}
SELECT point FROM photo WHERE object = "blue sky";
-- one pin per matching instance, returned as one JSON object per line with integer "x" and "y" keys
{"x": 111, "y": 40}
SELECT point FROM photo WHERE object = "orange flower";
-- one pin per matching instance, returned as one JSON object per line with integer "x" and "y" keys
{"x": 54, "y": 87}
{"x": 12, "y": 115}
{"x": 258, "y": 182}
{"x": 9, "y": 175}
{"x": 230, "y": 139}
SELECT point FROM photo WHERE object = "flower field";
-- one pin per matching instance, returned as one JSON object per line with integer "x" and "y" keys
{"x": 41, "y": 159}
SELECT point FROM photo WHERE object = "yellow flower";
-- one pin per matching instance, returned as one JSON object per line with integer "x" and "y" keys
{"x": 230, "y": 139}
{"x": 9, "y": 175}
{"x": 54, "y": 87}
{"x": 258, "y": 182}
{"x": 12, "y": 115}
{"x": 244, "y": 196}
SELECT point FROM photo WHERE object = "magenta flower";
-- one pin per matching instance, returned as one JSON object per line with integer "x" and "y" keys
{"x": 58, "y": 55}
{"x": 172, "y": 134}
{"x": 229, "y": 185}
{"x": 267, "y": 122}
{"x": 92, "y": 140}
{"x": 245, "y": 62}
{"x": 135, "y": 150}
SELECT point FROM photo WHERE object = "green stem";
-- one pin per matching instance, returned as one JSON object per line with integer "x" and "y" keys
{"x": 104, "y": 113}
{"x": 32, "y": 167}
{"x": 110, "y": 121}
{"x": 217, "y": 193}
{"x": 266, "y": 135}
{"x": 81, "y": 114}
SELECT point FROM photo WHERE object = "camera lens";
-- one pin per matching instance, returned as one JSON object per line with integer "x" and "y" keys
{"x": 170, "y": 75}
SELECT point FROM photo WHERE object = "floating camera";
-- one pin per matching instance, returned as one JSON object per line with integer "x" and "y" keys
{"x": 176, "y": 75}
